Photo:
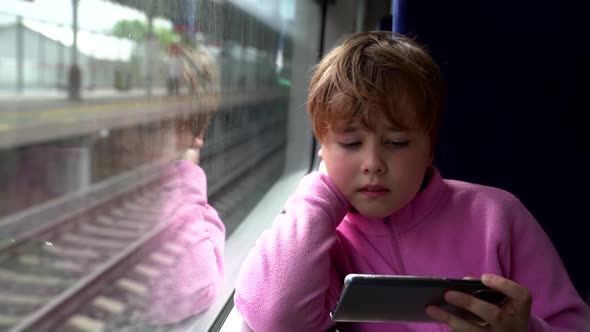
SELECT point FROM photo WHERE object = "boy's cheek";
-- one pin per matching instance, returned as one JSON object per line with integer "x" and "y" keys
{"x": 344, "y": 188}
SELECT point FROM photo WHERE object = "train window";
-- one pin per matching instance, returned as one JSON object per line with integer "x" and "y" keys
{"x": 135, "y": 139}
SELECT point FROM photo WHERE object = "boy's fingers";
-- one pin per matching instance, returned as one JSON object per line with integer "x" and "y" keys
{"x": 514, "y": 291}
{"x": 438, "y": 314}
{"x": 455, "y": 323}
{"x": 191, "y": 155}
{"x": 489, "y": 312}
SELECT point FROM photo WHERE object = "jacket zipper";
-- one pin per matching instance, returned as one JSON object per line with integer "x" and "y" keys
{"x": 398, "y": 254}
{"x": 396, "y": 249}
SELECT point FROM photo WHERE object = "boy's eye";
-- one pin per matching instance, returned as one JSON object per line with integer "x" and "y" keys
{"x": 397, "y": 144}
{"x": 350, "y": 145}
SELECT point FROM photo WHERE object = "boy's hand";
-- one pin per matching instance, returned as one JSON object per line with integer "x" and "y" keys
{"x": 512, "y": 316}
{"x": 193, "y": 153}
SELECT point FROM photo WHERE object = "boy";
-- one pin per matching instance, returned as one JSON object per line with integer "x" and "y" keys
{"x": 380, "y": 207}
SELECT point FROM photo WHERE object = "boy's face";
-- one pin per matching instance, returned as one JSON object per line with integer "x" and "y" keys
{"x": 378, "y": 172}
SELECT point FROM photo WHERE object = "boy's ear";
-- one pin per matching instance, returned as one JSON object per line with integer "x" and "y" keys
{"x": 198, "y": 141}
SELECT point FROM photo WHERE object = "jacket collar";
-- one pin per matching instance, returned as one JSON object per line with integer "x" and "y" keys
{"x": 408, "y": 216}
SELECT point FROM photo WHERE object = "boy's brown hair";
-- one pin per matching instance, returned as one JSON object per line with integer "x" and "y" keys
{"x": 200, "y": 74}
{"x": 372, "y": 73}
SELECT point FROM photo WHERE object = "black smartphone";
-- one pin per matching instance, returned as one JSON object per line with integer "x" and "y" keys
{"x": 385, "y": 298}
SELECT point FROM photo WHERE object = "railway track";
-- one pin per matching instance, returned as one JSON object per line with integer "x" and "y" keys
{"x": 35, "y": 272}
{"x": 88, "y": 269}
{"x": 121, "y": 304}
{"x": 91, "y": 273}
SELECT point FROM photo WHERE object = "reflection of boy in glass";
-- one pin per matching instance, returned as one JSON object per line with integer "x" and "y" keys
{"x": 188, "y": 285}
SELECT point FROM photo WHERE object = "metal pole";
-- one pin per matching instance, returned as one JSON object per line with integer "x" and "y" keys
{"x": 92, "y": 68}
{"x": 62, "y": 79}
{"x": 149, "y": 56}
{"x": 20, "y": 55}
{"x": 74, "y": 73}
{"x": 41, "y": 62}
{"x": 75, "y": 31}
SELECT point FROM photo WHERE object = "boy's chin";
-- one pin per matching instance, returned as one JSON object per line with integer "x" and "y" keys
{"x": 372, "y": 213}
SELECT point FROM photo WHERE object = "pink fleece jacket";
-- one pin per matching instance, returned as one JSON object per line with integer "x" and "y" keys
{"x": 189, "y": 285}
{"x": 293, "y": 277}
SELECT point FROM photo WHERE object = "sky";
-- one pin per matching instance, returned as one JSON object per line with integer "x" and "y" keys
{"x": 60, "y": 11}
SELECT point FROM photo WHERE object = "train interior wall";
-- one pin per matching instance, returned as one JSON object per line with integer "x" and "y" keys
{"x": 517, "y": 85}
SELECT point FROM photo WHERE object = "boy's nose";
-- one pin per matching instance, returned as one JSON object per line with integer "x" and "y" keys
{"x": 373, "y": 164}
{"x": 373, "y": 170}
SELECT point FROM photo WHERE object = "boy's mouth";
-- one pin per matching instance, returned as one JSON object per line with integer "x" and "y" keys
{"x": 373, "y": 187}
{"x": 374, "y": 191}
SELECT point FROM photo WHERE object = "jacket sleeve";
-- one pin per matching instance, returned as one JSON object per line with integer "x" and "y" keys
{"x": 535, "y": 264}
{"x": 195, "y": 241}
{"x": 287, "y": 282}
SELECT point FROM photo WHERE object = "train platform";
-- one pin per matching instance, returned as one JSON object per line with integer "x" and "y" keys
{"x": 35, "y": 118}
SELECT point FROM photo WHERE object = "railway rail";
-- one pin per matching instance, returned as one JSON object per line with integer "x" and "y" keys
{"x": 88, "y": 269}
{"x": 99, "y": 263}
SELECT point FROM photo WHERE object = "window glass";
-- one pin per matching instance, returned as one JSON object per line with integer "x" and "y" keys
{"x": 135, "y": 136}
